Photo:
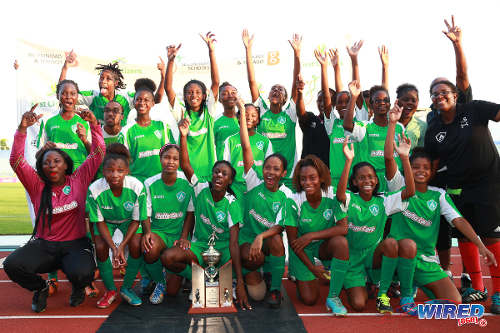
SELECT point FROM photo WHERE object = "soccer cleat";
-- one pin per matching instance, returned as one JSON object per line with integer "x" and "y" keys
{"x": 157, "y": 294}
{"x": 130, "y": 296}
{"x": 106, "y": 300}
{"x": 407, "y": 305}
{"x": 495, "y": 303}
{"x": 273, "y": 299}
{"x": 53, "y": 284}
{"x": 39, "y": 302}
{"x": 394, "y": 290}
{"x": 335, "y": 305}
{"x": 91, "y": 291}
{"x": 77, "y": 297}
{"x": 383, "y": 304}
{"x": 465, "y": 282}
{"x": 471, "y": 295}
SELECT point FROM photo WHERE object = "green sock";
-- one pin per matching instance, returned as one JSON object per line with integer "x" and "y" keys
{"x": 338, "y": 270}
{"x": 133, "y": 266}
{"x": 145, "y": 274}
{"x": 106, "y": 272}
{"x": 277, "y": 267}
{"x": 387, "y": 273}
{"x": 406, "y": 270}
{"x": 156, "y": 271}
{"x": 53, "y": 275}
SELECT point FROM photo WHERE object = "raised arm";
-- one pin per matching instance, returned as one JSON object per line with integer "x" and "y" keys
{"x": 404, "y": 154}
{"x": 335, "y": 60}
{"x": 171, "y": 53}
{"x": 161, "y": 90}
{"x": 353, "y": 54}
{"x": 344, "y": 177}
{"x": 248, "y": 42}
{"x": 355, "y": 90}
{"x": 97, "y": 150}
{"x": 185, "y": 163}
{"x": 301, "y": 107}
{"x": 70, "y": 59}
{"x": 245, "y": 140}
{"x": 383, "y": 51}
{"x": 454, "y": 34}
{"x": 296, "y": 43}
{"x": 327, "y": 99}
{"x": 209, "y": 39}
{"x": 390, "y": 164}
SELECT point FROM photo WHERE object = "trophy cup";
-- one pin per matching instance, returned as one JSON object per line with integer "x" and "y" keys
{"x": 212, "y": 288}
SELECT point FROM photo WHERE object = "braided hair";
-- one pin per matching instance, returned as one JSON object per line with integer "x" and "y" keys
{"x": 115, "y": 69}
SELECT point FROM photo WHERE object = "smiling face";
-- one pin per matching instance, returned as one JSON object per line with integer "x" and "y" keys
{"x": 228, "y": 97}
{"x": 114, "y": 171}
{"x": 194, "y": 96}
{"x": 143, "y": 102}
{"x": 380, "y": 103}
{"x": 107, "y": 83}
{"x": 113, "y": 114}
{"x": 409, "y": 102}
{"x": 342, "y": 103}
{"x": 54, "y": 167}
{"x": 252, "y": 116}
{"x": 277, "y": 95}
{"x": 309, "y": 180}
{"x": 68, "y": 97}
{"x": 272, "y": 172}
{"x": 443, "y": 97}
{"x": 422, "y": 170}
{"x": 170, "y": 161}
{"x": 222, "y": 177}
{"x": 365, "y": 180}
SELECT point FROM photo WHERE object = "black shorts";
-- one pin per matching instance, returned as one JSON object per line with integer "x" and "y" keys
{"x": 480, "y": 205}
{"x": 444, "y": 236}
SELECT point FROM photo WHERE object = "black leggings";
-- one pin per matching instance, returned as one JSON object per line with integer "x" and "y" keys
{"x": 75, "y": 258}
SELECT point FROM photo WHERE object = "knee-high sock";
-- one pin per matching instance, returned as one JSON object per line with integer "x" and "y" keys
{"x": 406, "y": 271}
{"x": 338, "y": 268}
{"x": 277, "y": 269}
{"x": 156, "y": 271}
{"x": 470, "y": 257}
{"x": 495, "y": 271}
{"x": 106, "y": 272}
{"x": 145, "y": 274}
{"x": 266, "y": 268}
{"x": 387, "y": 273}
{"x": 133, "y": 266}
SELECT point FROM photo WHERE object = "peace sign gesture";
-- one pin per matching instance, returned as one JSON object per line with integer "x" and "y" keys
{"x": 29, "y": 118}
{"x": 172, "y": 51}
{"x": 454, "y": 33}
{"x": 209, "y": 38}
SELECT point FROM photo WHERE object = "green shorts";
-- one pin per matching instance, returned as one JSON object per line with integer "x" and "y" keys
{"x": 298, "y": 268}
{"x": 427, "y": 272}
{"x": 168, "y": 239}
{"x": 113, "y": 226}
{"x": 360, "y": 268}
{"x": 199, "y": 247}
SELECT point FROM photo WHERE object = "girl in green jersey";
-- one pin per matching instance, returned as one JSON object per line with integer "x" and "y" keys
{"x": 217, "y": 212}
{"x": 265, "y": 204}
{"x": 170, "y": 219}
{"x": 117, "y": 201}
{"x": 316, "y": 228}
{"x": 200, "y": 107}
{"x": 367, "y": 211}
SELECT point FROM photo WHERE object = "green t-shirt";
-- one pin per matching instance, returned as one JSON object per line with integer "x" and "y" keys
{"x": 421, "y": 220}
{"x": 144, "y": 144}
{"x": 279, "y": 128}
{"x": 103, "y": 206}
{"x": 308, "y": 219}
{"x": 213, "y": 216}
{"x": 200, "y": 139}
{"x": 415, "y": 130}
{"x": 63, "y": 134}
{"x": 366, "y": 219}
{"x": 96, "y": 103}
{"x": 167, "y": 205}
{"x": 109, "y": 139}
{"x": 263, "y": 209}
{"x": 224, "y": 127}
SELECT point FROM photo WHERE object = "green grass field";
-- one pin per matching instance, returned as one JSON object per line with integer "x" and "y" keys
{"x": 14, "y": 215}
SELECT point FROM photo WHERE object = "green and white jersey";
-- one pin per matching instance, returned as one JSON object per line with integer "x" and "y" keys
{"x": 421, "y": 220}
{"x": 415, "y": 130}
{"x": 109, "y": 139}
{"x": 371, "y": 138}
{"x": 280, "y": 130}
{"x": 96, "y": 103}
{"x": 224, "y": 127}
{"x": 129, "y": 206}
{"x": 167, "y": 205}
{"x": 233, "y": 153}
{"x": 366, "y": 219}
{"x": 144, "y": 144}
{"x": 263, "y": 209}
{"x": 308, "y": 219}
{"x": 63, "y": 134}
{"x": 213, "y": 216}
{"x": 200, "y": 139}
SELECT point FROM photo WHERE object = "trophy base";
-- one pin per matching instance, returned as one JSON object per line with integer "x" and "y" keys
{"x": 219, "y": 309}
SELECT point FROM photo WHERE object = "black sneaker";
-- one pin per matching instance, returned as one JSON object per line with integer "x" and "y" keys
{"x": 39, "y": 302}
{"x": 393, "y": 291}
{"x": 465, "y": 282}
{"x": 273, "y": 299}
{"x": 471, "y": 295}
{"x": 77, "y": 297}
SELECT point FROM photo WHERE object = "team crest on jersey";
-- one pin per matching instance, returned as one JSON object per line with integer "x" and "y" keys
{"x": 374, "y": 209}
{"x": 128, "y": 205}
{"x": 67, "y": 189}
{"x": 158, "y": 134}
{"x": 440, "y": 136}
{"x": 220, "y": 216}
{"x": 281, "y": 120}
{"x": 180, "y": 196}
{"x": 327, "y": 214}
{"x": 74, "y": 127}
{"x": 432, "y": 205}
{"x": 260, "y": 145}
{"x": 276, "y": 206}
